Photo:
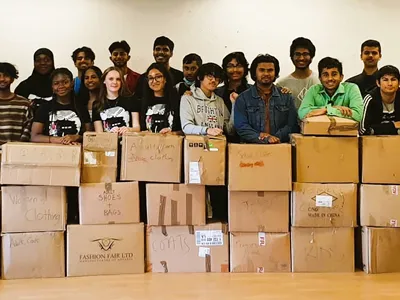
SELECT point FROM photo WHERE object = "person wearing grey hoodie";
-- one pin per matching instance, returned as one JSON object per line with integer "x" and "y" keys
{"x": 203, "y": 112}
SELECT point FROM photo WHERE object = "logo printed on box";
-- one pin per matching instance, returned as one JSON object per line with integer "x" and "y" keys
{"x": 106, "y": 244}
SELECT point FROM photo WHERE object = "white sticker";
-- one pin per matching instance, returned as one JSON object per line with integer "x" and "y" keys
{"x": 260, "y": 269}
{"x": 89, "y": 159}
{"x": 393, "y": 223}
{"x": 394, "y": 189}
{"x": 214, "y": 149}
{"x": 194, "y": 172}
{"x": 323, "y": 201}
{"x": 204, "y": 251}
{"x": 110, "y": 153}
{"x": 261, "y": 239}
{"x": 209, "y": 238}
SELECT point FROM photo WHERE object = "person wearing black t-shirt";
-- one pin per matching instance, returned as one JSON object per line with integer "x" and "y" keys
{"x": 114, "y": 111}
{"x": 160, "y": 102}
{"x": 62, "y": 120}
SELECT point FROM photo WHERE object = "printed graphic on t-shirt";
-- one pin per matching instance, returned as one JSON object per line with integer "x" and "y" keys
{"x": 64, "y": 122}
{"x": 157, "y": 118}
{"x": 388, "y": 115}
{"x": 114, "y": 117}
{"x": 212, "y": 115}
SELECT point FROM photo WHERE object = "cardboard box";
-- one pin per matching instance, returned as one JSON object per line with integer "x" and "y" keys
{"x": 260, "y": 167}
{"x": 105, "y": 249}
{"x": 205, "y": 160}
{"x": 176, "y": 204}
{"x": 378, "y": 159}
{"x": 259, "y": 252}
{"x": 33, "y": 255}
{"x": 258, "y": 211}
{"x": 33, "y": 208}
{"x": 109, "y": 203}
{"x": 328, "y": 125}
{"x": 325, "y": 159}
{"x": 40, "y": 164}
{"x": 100, "y": 157}
{"x": 380, "y": 205}
{"x": 324, "y": 205}
{"x": 322, "y": 249}
{"x": 187, "y": 249}
{"x": 151, "y": 157}
{"x": 380, "y": 250}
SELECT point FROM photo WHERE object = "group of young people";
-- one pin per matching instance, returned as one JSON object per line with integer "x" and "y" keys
{"x": 53, "y": 106}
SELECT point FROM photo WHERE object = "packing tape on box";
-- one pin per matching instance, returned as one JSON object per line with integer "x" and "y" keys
{"x": 174, "y": 212}
{"x": 175, "y": 187}
{"x": 224, "y": 268}
{"x": 208, "y": 263}
{"x": 161, "y": 210}
{"x": 333, "y": 126}
{"x": 261, "y": 228}
{"x": 225, "y": 228}
{"x": 260, "y": 194}
{"x": 164, "y": 265}
{"x": 189, "y": 209}
{"x": 108, "y": 187}
{"x": 164, "y": 230}
{"x": 191, "y": 229}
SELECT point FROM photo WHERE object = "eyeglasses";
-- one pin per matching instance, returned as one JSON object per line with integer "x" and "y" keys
{"x": 211, "y": 77}
{"x": 231, "y": 67}
{"x": 156, "y": 78}
{"x": 300, "y": 54}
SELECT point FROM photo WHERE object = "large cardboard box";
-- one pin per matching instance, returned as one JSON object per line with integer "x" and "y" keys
{"x": 33, "y": 208}
{"x": 325, "y": 159}
{"x": 324, "y": 205}
{"x": 260, "y": 167}
{"x": 40, "y": 164}
{"x": 379, "y": 159}
{"x": 100, "y": 157}
{"x": 205, "y": 160}
{"x": 105, "y": 249}
{"x": 380, "y": 205}
{"x": 151, "y": 157}
{"x": 322, "y": 249}
{"x": 109, "y": 203}
{"x": 187, "y": 249}
{"x": 33, "y": 255}
{"x": 258, "y": 211}
{"x": 176, "y": 204}
{"x": 259, "y": 252}
{"x": 381, "y": 250}
{"x": 329, "y": 125}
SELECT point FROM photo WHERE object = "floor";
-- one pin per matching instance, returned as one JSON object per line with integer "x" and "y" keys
{"x": 207, "y": 286}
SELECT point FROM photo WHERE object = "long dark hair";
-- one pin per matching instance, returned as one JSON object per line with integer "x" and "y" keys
{"x": 83, "y": 94}
{"x": 241, "y": 59}
{"x": 100, "y": 102}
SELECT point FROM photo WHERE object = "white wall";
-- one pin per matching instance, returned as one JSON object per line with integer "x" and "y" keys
{"x": 212, "y": 28}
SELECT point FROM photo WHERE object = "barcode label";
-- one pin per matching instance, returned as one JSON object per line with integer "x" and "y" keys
{"x": 209, "y": 238}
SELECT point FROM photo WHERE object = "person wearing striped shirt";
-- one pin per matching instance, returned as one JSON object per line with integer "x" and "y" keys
{"x": 382, "y": 106}
{"x": 15, "y": 110}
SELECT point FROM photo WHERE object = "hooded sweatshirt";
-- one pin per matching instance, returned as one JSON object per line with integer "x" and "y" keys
{"x": 198, "y": 113}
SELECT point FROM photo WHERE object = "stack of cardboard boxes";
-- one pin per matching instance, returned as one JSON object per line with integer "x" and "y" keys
{"x": 34, "y": 207}
{"x": 259, "y": 183}
{"x": 324, "y": 196}
{"x": 110, "y": 238}
{"x": 380, "y": 204}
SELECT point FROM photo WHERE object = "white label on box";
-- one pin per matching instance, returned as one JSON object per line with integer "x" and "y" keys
{"x": 209, "y": 238}
{"x": 214, "y": 149}
{"x": 394, "y": 189}
{"x": 89, "y": 159}
{"x": 393, "y": 223}
{"x": 110, "y": 153}
{"x": 260, "y": 269}
{"x": 261, "y": 239}
{"x": 204, "y": 251}
{"x": 323, "y": 201}
{"x": 194, "y": 172}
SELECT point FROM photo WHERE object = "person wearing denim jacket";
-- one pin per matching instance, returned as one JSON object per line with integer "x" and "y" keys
{"x": 263, "y": 114}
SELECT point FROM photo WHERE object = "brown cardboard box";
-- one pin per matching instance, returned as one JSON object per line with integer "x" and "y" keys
{"x": 260, "y": 167}
{"x": 151, "y": 157}
{"x": 322, "y": 249}
{"x": 378, "y": 159}
{"x": 187, "y": 249}
{"x": 328, "y": 125}
{"x": 109, "y": 203}
{"x": 259, "y": 252}
{"x": 105, "y": 249}
{"x": 325, "y": 159}
{"x": 380, "y": 205}
{"x": 100, "y": 157}
{"x": 33, "y": 208}
{"x": 176, "y": 204}
{"x": 380, "y": 250}
{"x": 40, "y": 164}
{"x": 324, "y": 205}
{"x": 258, "y": 211}
{"x": 205, "y": 160}
{"x": 33, "y": 255}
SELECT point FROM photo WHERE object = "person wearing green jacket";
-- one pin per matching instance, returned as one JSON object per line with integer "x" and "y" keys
{"x": 332, "y": 97}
